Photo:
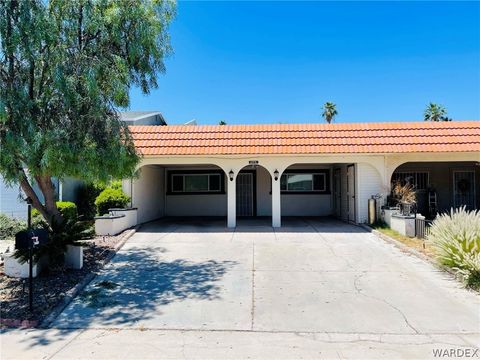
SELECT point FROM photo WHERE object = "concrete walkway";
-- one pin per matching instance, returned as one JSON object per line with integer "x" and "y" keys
{"x": 316, "y": 288}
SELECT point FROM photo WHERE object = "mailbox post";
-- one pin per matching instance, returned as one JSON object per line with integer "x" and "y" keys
{"x": 30, "y": 257}
{"x": 29, "y": 240}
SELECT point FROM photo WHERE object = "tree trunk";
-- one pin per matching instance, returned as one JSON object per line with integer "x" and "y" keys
{"x": 48, "y": 190}
{"x": 49, "y": 211}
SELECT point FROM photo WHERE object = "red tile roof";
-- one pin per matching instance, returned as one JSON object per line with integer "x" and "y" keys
{"x": 353, "y": 138}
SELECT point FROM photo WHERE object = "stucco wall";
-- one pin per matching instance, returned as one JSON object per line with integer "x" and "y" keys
{"x": 197, "y": 205}
{"x": 148, "y": 194}
{"x": 293, "y": 204}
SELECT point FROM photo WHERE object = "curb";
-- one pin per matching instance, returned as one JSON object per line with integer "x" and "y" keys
{"x": 73, "y": 292}
{"x": 411, "y": 251}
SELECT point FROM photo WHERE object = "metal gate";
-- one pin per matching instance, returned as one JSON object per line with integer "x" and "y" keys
{"x": 464, "y": 189}
{"x": 245, "y": 194}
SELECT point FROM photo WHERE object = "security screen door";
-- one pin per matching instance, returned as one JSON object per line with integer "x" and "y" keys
{"x": 245, "y": 194}
{"x": 464, "y": 189}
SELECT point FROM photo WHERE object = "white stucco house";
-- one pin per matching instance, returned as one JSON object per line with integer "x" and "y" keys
{"x": 278, "y": 170}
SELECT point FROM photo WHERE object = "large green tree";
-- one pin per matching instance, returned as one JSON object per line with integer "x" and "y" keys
{"x": 65, "y": 67}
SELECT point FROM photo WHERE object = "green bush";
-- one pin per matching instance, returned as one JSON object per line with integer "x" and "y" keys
{"x": 110, "y": 198}
{"x": 86, "y": 200}
{"x": 10, "y": 226}
{"x": 68, "y": 210}
{"x": 456, "y": 240}
{"x": 70, "y": 232}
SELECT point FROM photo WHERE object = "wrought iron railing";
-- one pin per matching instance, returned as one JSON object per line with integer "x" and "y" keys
{"x": 422, "y": 227}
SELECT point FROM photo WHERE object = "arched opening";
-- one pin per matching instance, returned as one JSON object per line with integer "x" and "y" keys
{"x": 182, "y": 191}
{"x": 253, "y": 196}
{"x": 314, "y": 190}
{"x": 440, "y": 186}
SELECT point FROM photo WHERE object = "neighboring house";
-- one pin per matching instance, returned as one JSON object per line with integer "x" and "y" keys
{"x": 12, "y": 198}
{"x": 142, "y": 118}
{"x": 300, "y": 169}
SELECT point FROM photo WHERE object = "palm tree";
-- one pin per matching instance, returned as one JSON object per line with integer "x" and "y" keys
{"x": 329, "y": 111}
{"x": 435, "y": 112}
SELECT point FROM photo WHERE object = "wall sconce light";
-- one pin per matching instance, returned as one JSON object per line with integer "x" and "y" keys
{"x": 230, "y": 175}
{"x": 275, "y": 174}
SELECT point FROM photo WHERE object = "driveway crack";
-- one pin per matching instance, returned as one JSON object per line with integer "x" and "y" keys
{"x": 360, "y": 291}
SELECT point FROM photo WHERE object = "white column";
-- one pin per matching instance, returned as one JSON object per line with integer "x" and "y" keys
{"x": 231, "y": 203}
{"x": 276, "y": 207}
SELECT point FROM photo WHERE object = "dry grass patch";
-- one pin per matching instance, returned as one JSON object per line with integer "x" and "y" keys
{"x": 420, "y": 245}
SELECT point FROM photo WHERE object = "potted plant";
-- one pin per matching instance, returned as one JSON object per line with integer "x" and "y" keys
{"x": 405, "y": 197}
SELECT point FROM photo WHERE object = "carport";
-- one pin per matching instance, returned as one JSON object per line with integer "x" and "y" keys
{"x": 244, "y": 171}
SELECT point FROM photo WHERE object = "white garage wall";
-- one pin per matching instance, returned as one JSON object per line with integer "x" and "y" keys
{"x": 197, "y": 205}
{"x": 306, "y": 205}
{"x": 368, "y": 183}
{"x": 148, "y": 193}
{"x": 292, "y": 204}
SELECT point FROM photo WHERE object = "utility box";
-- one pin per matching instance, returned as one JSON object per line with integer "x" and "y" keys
{"x": 372, "y": 211}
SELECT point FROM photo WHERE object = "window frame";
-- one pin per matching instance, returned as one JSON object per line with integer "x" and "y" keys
{"x": 184, "y": 173}
{"x": 323, "y": 172}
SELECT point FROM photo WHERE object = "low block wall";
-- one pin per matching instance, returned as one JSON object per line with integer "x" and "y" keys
{"x": 130, "y": 214}
{"x": 404, "y": 225}
{"x": 117, "y": 221}
{"x": 110, "y": 224}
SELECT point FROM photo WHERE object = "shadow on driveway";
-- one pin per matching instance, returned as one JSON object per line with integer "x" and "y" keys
{"x": 135, "y": 286}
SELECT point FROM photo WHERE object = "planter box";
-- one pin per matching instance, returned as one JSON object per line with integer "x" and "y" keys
{"x": 404, "y": 225}
{"x": 130, "y": 214}
{"x": 74, "y": 257}
{"x": 110, "y": 224}
{"x": 387, "y": 213}
{"x": 14, "y": 268}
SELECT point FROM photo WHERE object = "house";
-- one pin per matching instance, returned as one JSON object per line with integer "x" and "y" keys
{"x": 301, "y": 169}
{"x": 12, "y": 198}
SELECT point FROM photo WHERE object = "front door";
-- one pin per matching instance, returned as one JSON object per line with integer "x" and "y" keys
{"x": 351, "y": 192}
{"x": 337, "y": 192}
{"x": 464, "y": 189}
{"x": 245, "y": 194}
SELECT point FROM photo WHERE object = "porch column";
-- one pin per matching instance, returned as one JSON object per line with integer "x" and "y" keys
{"x": 276, "y": 207}
{"x": 231, "y": 203}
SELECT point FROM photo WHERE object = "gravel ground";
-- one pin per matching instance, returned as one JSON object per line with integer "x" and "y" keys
{"x": 49, "y": 287}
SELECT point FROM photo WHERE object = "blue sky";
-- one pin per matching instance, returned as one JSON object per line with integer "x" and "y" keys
{"x": 278, "y": 62}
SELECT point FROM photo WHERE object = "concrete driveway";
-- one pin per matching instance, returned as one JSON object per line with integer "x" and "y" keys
{"x": 305, "y": 289}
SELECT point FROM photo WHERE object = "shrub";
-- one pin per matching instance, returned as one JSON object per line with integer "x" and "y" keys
{"x": 70, "y": 232}
{"x": 110, "y": 198}
{"x": 456, "y": 240}
{"x": 68, "y": 210}
{"x": 10, "y": 226}
{"x": 86, "y": 200}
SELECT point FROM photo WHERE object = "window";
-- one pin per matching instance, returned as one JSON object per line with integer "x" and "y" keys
{"x": 419, "y": 179}
{"x": 304, "y": 182}
{"x": 194, "y": 183}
